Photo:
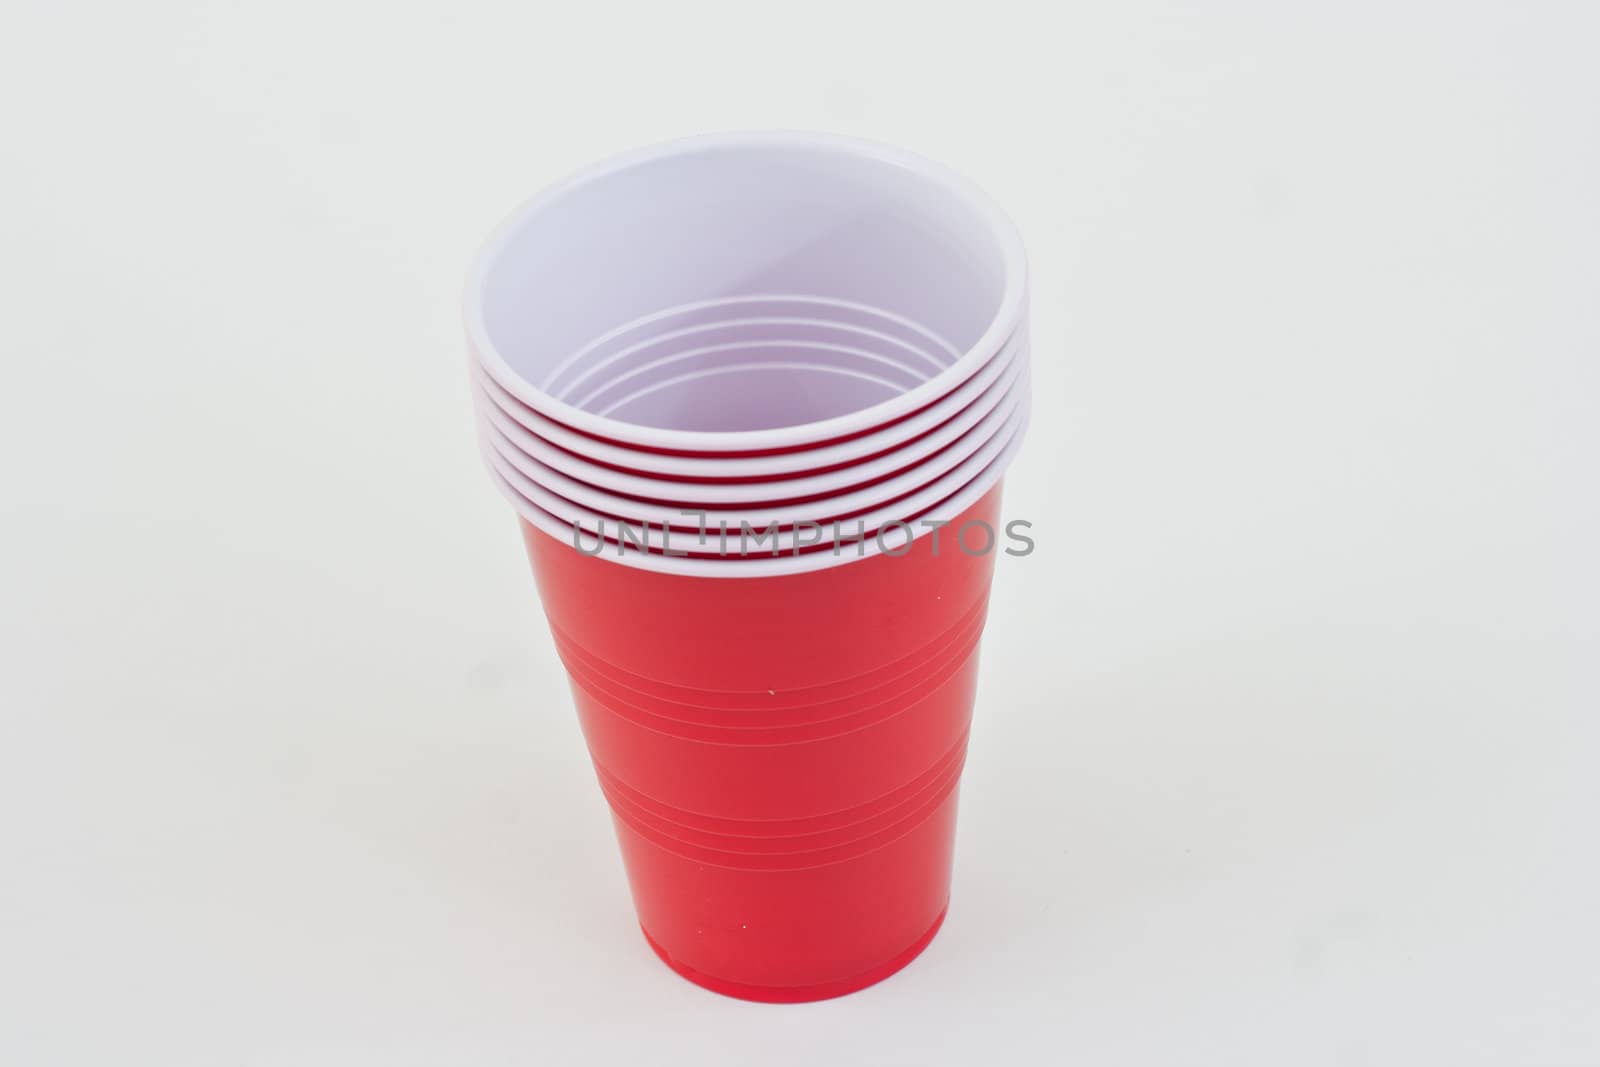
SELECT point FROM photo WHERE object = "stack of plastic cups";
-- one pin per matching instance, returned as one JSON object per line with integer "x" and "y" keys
{"x": 752, "y": 397}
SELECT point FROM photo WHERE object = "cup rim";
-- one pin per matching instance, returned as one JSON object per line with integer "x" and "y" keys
{"x": 730, "y": 482}
{"x": 999, "y": 423}
{"x": 735, "y": 567}
{"x": 1001, "y": 325}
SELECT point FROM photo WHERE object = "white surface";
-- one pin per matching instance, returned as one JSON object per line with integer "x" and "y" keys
{"x": 704, "y": 225}
{"x": 1287, "y": 744}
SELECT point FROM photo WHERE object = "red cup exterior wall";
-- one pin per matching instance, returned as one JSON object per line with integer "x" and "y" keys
{"x": 781, "y": 755}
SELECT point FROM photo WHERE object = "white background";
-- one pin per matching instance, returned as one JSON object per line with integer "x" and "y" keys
{"x": 1287, "y": 744}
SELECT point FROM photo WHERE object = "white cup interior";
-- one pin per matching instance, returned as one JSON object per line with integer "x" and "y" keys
{"x": 744, "y": 284}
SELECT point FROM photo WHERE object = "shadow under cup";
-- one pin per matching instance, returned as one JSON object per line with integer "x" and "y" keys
{"x": 781, "y": 754}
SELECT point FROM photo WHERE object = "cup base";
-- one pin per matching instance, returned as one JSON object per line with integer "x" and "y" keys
{"x": 801, "y": 994}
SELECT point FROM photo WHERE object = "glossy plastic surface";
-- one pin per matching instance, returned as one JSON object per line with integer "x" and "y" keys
{"x": 781, "y": 754}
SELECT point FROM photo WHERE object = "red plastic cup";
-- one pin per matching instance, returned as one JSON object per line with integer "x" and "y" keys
{"x": 781, "y": 754}
{"x": 781, "y": 331}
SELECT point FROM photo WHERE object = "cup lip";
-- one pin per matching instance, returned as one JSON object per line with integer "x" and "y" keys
{"x": 560, "y": 528}
{"x": 736, "y": 567}
{"x": 1001, "y": 325}
{"x": 649, "y": 474}
{"x": 998, "y": 423}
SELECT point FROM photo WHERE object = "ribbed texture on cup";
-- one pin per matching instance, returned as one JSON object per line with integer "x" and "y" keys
{"x": 771, "y": 718}
{"x": 798, "y": 933}
{"x": 749, "y": 331}
{"x": 770, "y": 845}
{"x": 790, "y": 842}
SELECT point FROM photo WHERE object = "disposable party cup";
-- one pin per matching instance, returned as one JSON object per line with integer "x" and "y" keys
{"x": 827, "y": 469}
{"x": 785, "y": 794}
{"x": 746, "y": 293}
{"x": 786, "y": 332}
